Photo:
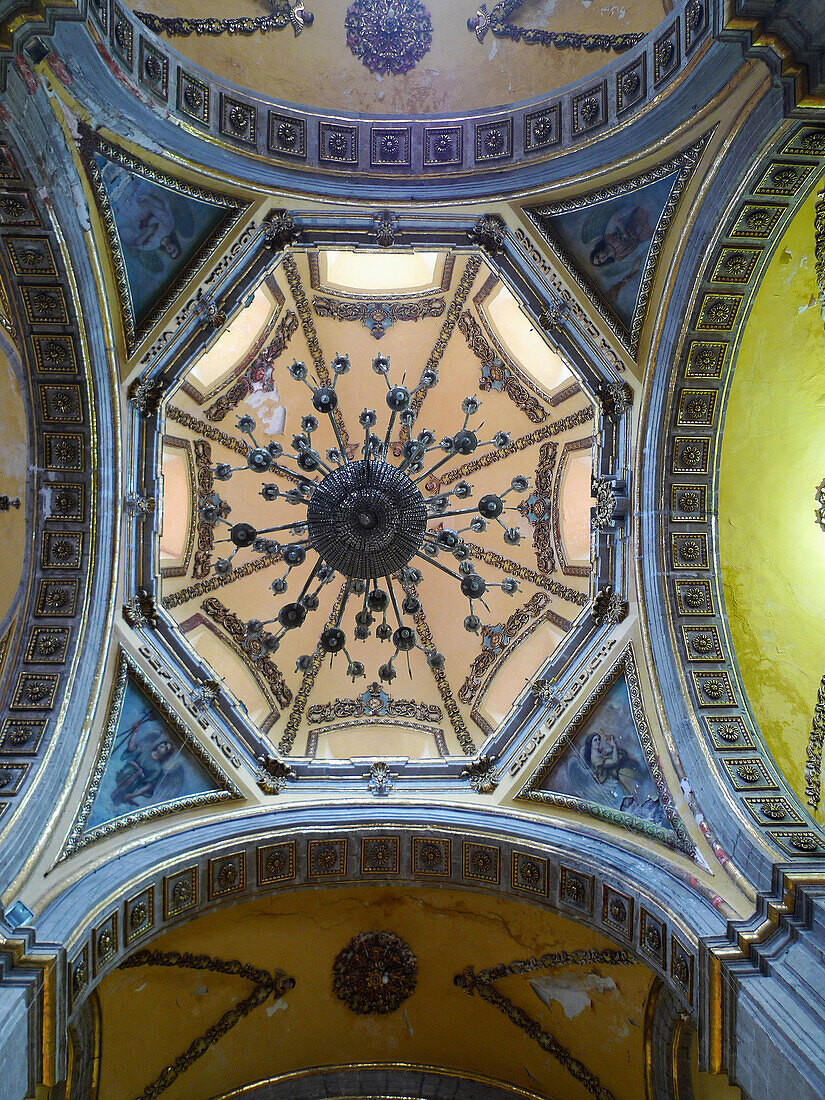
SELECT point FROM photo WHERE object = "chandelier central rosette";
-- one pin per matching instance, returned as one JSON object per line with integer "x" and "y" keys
{"x": 367, "y": 520}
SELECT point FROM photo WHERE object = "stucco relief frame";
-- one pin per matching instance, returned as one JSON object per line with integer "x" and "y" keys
{"x": 78, "y": 838}
{"x": 625, "y": 666}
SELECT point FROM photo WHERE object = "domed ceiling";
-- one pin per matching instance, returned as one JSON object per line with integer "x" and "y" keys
{"x": 408, "y": 662}
{"x": 386, "y": 558}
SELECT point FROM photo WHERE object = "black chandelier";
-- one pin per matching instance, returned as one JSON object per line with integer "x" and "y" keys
{"x": 367, "y": 519}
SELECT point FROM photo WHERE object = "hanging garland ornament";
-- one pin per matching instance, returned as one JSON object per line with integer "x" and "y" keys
{"x": 283, "y": 15}
{"x": 390, "y": 36}
{"x": 497, "y": 21}
{"x": 365, "y": 518}
{"x": 374, "y": 973}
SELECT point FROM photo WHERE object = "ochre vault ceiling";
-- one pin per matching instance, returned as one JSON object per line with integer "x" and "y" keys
{"x": 589, "y": 988}
{"x": 317, "y": 68}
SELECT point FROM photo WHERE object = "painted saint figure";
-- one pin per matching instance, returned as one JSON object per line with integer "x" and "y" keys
{"x": 607, "y": 761}
{"x": 149, "y": 772}
{"x": 622, "y": 236}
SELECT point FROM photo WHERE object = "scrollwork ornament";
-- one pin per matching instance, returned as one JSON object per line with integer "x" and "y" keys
{"x": 609, "y": 607}
{"x": 380, "y": 780}
{"x": 273, "y": 774}
{"x": 140, "y": 610}
{"x": 280, "y": 230}
{"x": 481, "y": 774}
{"x": 488, "y": 232}
{"x": 385, "y": 227}
{"x": 813, "y": 767}
{"x": 145, "y": 395}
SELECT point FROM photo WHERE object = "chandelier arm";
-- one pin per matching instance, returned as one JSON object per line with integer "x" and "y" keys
{"x": 337, "y": 430}
{"x": 438, "y": 565}
{"x": 391, "y": 591}
{"x": 389, "y": 433}
{"x": 432, "y": 469}
{"x": 310, "y": 578}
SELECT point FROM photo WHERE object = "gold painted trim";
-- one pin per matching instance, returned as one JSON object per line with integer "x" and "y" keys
{"x": 647, "y": 1036}
{"x": 297, "y": 1075}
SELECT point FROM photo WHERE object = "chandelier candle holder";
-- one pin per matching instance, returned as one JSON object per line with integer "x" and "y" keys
{"x": 367, "y": 519}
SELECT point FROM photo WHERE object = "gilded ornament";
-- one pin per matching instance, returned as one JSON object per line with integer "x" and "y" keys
{"x": 44, "y": 302}
{"x": 239, "y": 118}
{"x": 695, "y": 14}
{"x": 284, "y": 15}
{"x": 653, "y": 938}
{"x": 618, "y": 911}
{"x": 66, "y": 450}
{"x": 784, "y": 176}
{"x": 689, "y": 502}
{"x": 714, "y": 689}
{"x": 153, "y": 68}
{"x": 664, "y": 53}
{"x": 759, "y": 220}
{"x": 277, "y": 863}
{"x": 193, "y": 97}
{"x": 748, "y": 773}
{"x": 804, "y": 842}
{"x": 681, "y": 970}
{"x": 55, "y": 352}
{"x": 630, "y": 83}
{"x": 57, "y": 597}
{"x": 589, "y": 111}
{"x": 488, "y": 232}
{"x": 530, "y": 872}
{"x": 385, "y": 227}
{"x": 12, "y": 208}
{"x": 145, "y": 395}
{"x": 609, "y": 607}
{"x": 181, "y": 893}
{"x": 140, "y": 610}
{"x": 430, "y": 854}
{"x": 37, "y": 690}
{"x": 273, "y": 774}
{"x": 227, "y": 875}
{"x": 105, "y": 944}
{"x": 696, "y": 409}
{"x": 62, "y": 550}
{"x": 774, "y": 809}
{"x": 279, "y": 230}
{"x": 736, "y": 264}
{"x": 389, "y": 36}
{"x": 702, "y": 643}
{"x": 574, "y": 890}
{"x": 138, "y": 916}
{"x": 80, "y": 977}
{"x": 728, "y": 730}
{"x": 813, "y": 141}
{"x": 690, "y": 457}
{"x": 375, "y": 973}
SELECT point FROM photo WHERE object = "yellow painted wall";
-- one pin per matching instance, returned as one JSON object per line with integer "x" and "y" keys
{"x": 773, "y": 457}
{"x": 151, "y": 1014}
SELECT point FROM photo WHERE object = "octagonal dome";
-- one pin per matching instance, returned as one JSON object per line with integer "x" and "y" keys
{"x": 446, "y": 685}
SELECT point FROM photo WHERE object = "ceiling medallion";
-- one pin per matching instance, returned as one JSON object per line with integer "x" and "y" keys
{"x": 374, "y": 973}
{"x": 390, "y": 36}
{"x": 367, "y": 519}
